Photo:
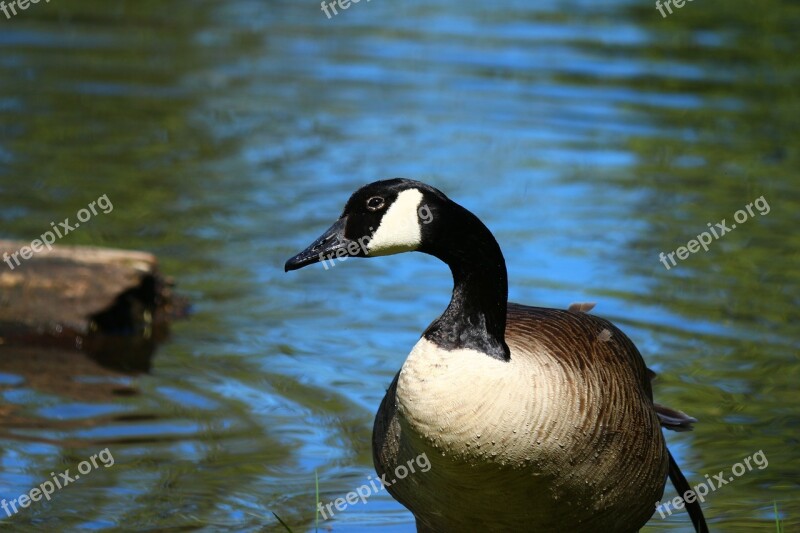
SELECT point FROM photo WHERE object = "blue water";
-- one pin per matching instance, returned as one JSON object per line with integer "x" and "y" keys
{"x": 589, "y": 137}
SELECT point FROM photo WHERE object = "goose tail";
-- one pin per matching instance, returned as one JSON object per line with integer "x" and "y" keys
{"x": 681, "y": 485}
{"x": 674, "y": 419}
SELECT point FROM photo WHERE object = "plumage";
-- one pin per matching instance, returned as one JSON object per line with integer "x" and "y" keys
{"x": 533, "y": 419}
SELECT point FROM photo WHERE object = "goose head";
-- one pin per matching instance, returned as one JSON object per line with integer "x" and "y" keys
{"x": 401, "y": 215}
{"x": 383, "y": 218}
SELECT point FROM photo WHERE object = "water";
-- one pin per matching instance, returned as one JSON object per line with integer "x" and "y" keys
{"x": 590, "y": 137}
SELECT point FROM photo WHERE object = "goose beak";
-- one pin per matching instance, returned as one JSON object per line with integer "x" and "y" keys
{"x": 327, "y": 246}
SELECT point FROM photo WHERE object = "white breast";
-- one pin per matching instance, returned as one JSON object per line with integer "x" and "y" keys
{"x": 528, "y": 441}
{"x": 476, "y": 408}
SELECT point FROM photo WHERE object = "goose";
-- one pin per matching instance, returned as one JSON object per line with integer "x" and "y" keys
{"x": 531, "y": 418}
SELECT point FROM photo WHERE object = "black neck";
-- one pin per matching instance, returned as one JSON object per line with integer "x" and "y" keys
{"x": 476, "y": 316}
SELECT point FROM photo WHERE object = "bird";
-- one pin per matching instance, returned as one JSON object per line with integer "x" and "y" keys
{"x": 532, "y": 418}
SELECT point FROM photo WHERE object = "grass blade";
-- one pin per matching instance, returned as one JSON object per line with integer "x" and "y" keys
{"x": 283, "y": 523}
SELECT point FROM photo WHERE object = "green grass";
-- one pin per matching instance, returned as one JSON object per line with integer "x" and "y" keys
{"x": 778, "y": 523}
{"x": 283, "y": 523}
{"x": 316, "y": 510}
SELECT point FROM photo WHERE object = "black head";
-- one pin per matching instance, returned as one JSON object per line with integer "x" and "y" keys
{"x": 382, "y": 218}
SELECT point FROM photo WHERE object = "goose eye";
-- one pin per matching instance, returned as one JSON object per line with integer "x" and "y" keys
{"x": 375, "y": 203}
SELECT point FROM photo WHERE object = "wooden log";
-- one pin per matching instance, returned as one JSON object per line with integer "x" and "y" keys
{"x": 93, "y": 299}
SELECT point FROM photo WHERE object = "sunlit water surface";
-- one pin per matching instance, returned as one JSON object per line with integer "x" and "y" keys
{"x": 589, "y": 136}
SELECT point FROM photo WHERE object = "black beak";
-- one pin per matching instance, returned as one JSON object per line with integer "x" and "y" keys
{"x": 326, "y": 247}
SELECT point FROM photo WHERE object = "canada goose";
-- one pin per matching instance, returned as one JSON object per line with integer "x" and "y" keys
{"x": 532, "y": 419}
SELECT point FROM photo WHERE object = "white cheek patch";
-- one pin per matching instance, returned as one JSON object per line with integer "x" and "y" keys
{"x": 400, "y": 230}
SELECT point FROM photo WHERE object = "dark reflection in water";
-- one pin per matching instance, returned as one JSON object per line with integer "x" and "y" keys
{"x": 590, "y": 137}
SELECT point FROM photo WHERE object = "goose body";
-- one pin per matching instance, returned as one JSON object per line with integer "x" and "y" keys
{"x": 567, "y": 441}
{"x": 532, "y": 419}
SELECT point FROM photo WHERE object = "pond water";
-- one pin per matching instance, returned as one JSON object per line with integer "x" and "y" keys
{"x": 589, "y": 136}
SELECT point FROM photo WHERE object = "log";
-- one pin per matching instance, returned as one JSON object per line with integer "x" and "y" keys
{"x": 112, "y": 304}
